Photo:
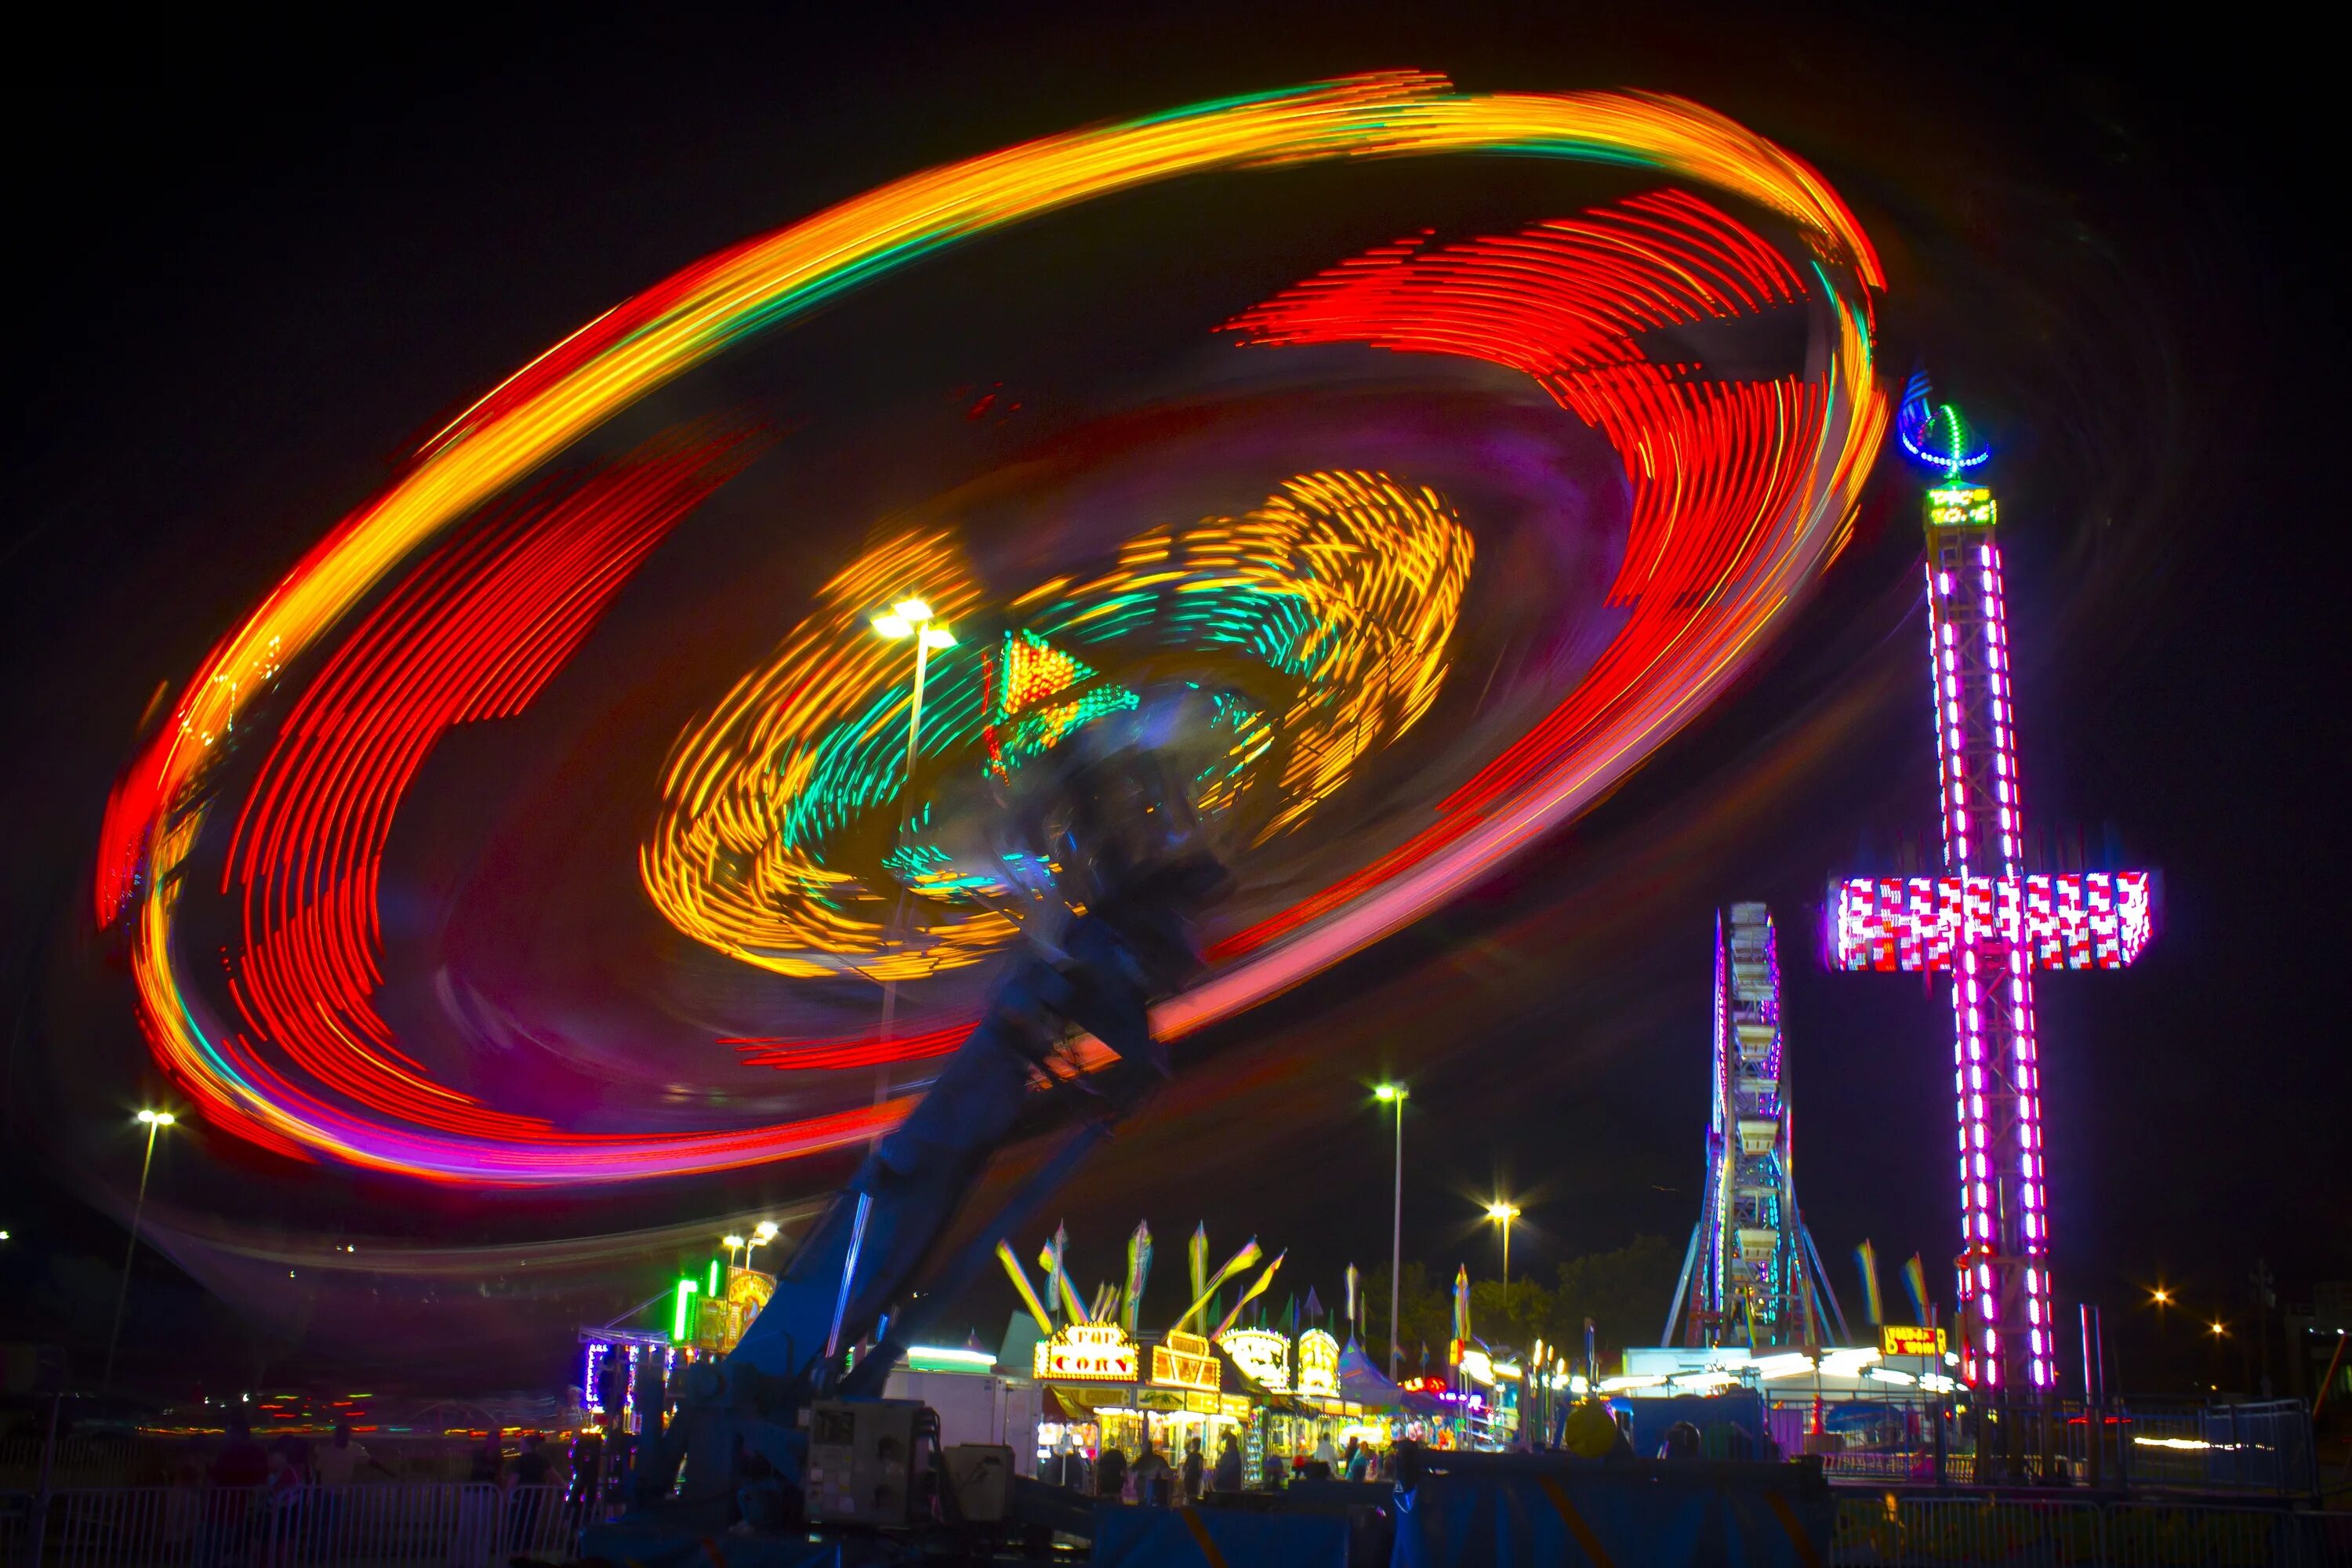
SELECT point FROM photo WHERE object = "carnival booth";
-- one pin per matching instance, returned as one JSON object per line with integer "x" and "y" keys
{"x": 1111, "y": 1389}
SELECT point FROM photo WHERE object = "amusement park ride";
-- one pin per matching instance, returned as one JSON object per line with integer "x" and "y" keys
{"x": 1751, "y": 1275}
{"x": 1989, "y": 922}
{"x": 775, "y": 1433}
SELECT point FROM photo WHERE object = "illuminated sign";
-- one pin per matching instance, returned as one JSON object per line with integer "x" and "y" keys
{"x": 1961, "y": 506}
{"x": 2085, "y": 919}
{"x": 1262, "y": 1353}
{"x": 1185, "y": 1361}
{"x": 1318, "y": 1363}
{"x": 721, "y": 1319}
{"x": 1087, "y": 1352}
{"x": 1902, "y": 1339}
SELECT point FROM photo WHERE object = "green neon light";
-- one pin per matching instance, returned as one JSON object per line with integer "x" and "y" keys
{"x": 713, "y": 1287}
{"x": 678, "y": 1322}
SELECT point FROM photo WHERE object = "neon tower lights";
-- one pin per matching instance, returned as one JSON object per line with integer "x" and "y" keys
{"x": 2004, "y": 1271}
{"x": 1987, "y": 922}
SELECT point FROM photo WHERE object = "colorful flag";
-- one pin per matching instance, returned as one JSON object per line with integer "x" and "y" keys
{"x": 1914, "y": 1279}
{"x": 1462, "y": 1304}
{"x": 1866, "y": 1257}
{"x": 1106, "y": 1303}
{"x": 1248, "y": 1254}
{"x": 1355, "y": 1301}
{"x": 1138, "y": 1270}
{"x": 1051, "y": 1261}
{"x": 1199, "y": 1257}
{"x": 1252, "y": 1294}
{"x": 1028, "y": 1292}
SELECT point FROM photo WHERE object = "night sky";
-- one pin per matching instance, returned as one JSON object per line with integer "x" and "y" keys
{"x": 255, "y": 269}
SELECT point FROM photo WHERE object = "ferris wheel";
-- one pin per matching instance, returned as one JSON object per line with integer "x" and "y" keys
{"x": 1751, "y": 1274}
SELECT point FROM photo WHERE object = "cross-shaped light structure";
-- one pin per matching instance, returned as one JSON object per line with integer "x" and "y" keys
{"x": 1989, "y": 924}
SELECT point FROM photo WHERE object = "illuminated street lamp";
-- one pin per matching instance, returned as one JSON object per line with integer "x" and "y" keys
{"x": 912, "y": 618}
{"x": 733, "y": 1244}
{"x": 1395, "y": 1094}
{"x": 908, "y": 618}
{"x": 2220, "y": 1328}
{"x": 154, "y": 1121}
{"x": 762, "y": 1234}
{"x": 1503, "y": 1211}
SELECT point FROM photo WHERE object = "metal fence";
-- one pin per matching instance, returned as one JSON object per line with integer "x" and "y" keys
{"x": 2250, "y": 1448}
{"x": 107, "y": 1460}
{"x": 1892, "y": 1531}
{"x": 381, "y": 1526}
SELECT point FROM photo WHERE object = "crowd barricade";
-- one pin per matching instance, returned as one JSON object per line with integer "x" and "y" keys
{"x": 1892, "y": 1531}
{"x": 108, "y": 1459}
{"x": 384, "y": 1525}
{"x": 1474, "y": 1510}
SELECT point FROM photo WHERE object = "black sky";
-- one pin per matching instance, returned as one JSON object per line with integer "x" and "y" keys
{"x": 253, "y": 264}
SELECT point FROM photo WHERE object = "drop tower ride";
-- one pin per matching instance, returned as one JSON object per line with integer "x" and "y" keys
{"x": 1989, "y": 922}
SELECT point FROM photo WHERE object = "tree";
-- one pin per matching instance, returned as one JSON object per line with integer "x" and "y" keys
{"x": 1625, "y": 1292}
{"x": 1426, "y": 1310}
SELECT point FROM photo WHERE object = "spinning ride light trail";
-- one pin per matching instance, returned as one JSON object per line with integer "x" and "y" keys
{"x": 1742, "y": 494}
{"x": 1344, "y": 586}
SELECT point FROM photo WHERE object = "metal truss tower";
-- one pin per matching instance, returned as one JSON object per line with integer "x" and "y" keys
{"x": 1986, "y": 922}
{"x": 1751, "y": 1275}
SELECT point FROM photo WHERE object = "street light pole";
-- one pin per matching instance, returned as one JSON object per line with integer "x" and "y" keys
{"x": 1503, "y": 1210}
{"x": 156, "y": 1122}
{"x": 908, "y": 618}
{"x": 1395, "y": 1094}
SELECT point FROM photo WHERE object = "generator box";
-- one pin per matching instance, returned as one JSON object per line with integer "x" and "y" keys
{"x": 979, "y": 1480}
{"x": 861, "y": 1462}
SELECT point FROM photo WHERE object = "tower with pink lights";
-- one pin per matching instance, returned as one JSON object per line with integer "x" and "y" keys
{"x": 1989, "y": 922}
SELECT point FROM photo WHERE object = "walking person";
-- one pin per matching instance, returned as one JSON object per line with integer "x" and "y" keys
{"x": 1154, "y": 1479}
{"x": 1227, "y": 1476}
{"x": 477, "y": 1504}
{"x": 1110, "y": 1473}
{"x": 528, "y": 1491}
{"x": 334, "y": 1470}
{"x": 587, "y": 1471}
{"x": 1193, "y": 1465}
{"x": 239, "y": 1471}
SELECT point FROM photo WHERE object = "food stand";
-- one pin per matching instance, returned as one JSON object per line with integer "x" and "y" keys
{"x": 1170, "y": 1389}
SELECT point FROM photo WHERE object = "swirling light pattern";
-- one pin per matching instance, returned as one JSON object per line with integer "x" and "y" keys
{"x": 1716, "y": 470}
{"x": 1344, "y": 586}
{"x": 1741, "y": 495}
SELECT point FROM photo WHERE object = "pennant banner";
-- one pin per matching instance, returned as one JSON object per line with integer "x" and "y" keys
{"x": 1253, "y": 1293}
{"x": 1020, "y": 1278}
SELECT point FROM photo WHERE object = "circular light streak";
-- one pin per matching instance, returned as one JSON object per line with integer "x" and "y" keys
{"x": 1741, "y": 496}
{"x": 1342, "y": 588}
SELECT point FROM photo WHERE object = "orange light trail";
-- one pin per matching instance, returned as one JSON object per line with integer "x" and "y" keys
{"x": 1824, "y": 431}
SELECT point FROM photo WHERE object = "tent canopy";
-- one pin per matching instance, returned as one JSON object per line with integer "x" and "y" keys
{"x": 1363, "y": 1384}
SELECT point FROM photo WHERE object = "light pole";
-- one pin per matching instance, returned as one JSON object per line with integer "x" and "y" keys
{"x": 762, "y": 1234}
{"x": 908, "y": 618}
{"x": 912, "y": 618}
{"x": 156, "y": 1121}
{"x": 733, "y": 1244}
{"x": 1395, "y": 1094}
{"x": 1505, "y": 1211}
